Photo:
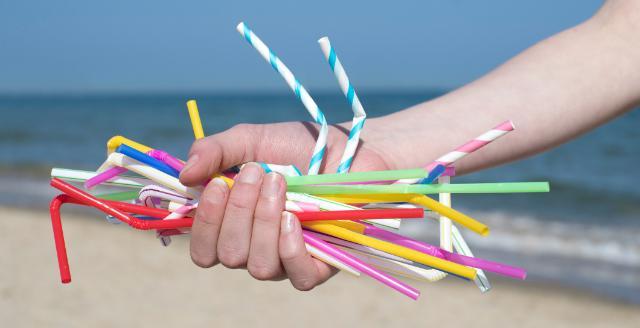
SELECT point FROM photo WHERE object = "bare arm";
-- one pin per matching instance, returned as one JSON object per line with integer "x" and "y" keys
{"x": 556, "y": 90}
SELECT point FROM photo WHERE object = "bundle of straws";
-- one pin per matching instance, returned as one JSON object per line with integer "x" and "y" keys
{"x": 349, "y": 219}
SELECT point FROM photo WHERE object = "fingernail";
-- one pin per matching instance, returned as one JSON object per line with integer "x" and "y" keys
{"x": 250, "y": 173}
{"x": 272, "y": 184}
{"x": 220, "y": 183}
{"x": 288, "y": 222}
{"x": 190, "y": 163}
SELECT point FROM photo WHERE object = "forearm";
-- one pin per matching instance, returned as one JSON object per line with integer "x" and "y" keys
{"x": 553, "y": 92}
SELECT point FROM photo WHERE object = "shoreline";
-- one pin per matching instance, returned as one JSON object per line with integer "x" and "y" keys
{"x": 123, "y": 277}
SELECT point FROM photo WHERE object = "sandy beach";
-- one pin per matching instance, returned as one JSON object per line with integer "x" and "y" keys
{"x": 123, "y": 277}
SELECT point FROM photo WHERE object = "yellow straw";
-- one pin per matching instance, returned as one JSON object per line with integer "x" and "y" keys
{"x": 198, "y": 132}
{"x": 194, "y": 115}
{"x": 116, "y": 141}
{"x": 461, "y": 218}
{"x": 404, "y": 252}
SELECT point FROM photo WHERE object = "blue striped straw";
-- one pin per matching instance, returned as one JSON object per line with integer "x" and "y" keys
{"x": 359, "y": 115}
{"x": 298, "y": 89}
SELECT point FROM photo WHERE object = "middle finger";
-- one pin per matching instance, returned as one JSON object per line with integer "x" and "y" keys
{"x": 235, "y": 233}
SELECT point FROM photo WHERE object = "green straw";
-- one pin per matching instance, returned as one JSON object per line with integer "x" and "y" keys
{"x": 459, "y": 188}
{"x": 390, "y": 175}
{"x": 119, "y": 196}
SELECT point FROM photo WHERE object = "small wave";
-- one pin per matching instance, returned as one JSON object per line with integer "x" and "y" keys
{"x": 528, "y": 235}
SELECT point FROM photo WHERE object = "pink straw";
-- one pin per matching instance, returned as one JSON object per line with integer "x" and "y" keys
{"x": 104, "y": 176}
{"x": 497, "y": 268}
{"x": 473, "y": 145}
{"x": 166, "y": 158}
{"x": 355, "y": 263}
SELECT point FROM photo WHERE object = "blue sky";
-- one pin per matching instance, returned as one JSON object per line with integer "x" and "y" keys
{"x": 102, "y": 46}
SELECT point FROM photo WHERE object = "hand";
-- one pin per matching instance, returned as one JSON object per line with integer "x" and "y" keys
{"x": 246, "y": 227}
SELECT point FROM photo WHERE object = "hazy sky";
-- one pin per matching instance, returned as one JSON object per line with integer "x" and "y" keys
{"x": 135, "y": 45}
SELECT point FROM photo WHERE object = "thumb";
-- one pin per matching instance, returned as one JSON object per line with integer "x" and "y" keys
{"x": 219, "y": 152}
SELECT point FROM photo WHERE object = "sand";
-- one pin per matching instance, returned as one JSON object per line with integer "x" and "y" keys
{"x": 124, "y": 278}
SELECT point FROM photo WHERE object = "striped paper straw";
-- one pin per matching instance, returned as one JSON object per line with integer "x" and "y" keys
{"x": 359, "y": 116}
{"x": 469, "y": 147}
{"x": 298, "y": 89}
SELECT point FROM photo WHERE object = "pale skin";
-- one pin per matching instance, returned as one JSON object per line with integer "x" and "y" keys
{"x": 554, "y": 91}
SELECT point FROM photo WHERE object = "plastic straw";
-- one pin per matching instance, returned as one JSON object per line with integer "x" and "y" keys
{"x": 408, "y": 213}
{"x": 116, "y": 141}
{"x": 81, "y": 176}
{"x": 329, "y": 205}
{"x": 146, "y": 159}
{"x": 330, "y": 260}
{"x": 165, "y": 157}
{"x": 498, "y": 268}
{"x": 104, "y": 176}
{"x": 194, "y": 116}
{"x": 355, "y": 177}
{"x": 407, "y": 253}
{"x": 119, "y": 196}
{"x": 164, "y": 179}
{"x": 298, "y": 89}
{"x": 458, "y": 188}
{"x": 359, "y": 115}
{"x": 362, "y": 267}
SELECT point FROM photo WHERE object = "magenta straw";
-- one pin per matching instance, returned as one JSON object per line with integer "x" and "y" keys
{"x": 104, "y": 176}
{"x": 360, "y": 266}
{"x": 497, "y": 268}
{"x": 165, "y": 157}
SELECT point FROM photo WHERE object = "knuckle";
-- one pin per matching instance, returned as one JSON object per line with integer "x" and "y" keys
{"x": 262, "y": 271}
{"x": 202, "y": 260}
{"x": 207, "y": 219}
{"x": 291, "y": 254}
{"x": 243, "y": 128}
{"x": 303, "y": 284}
{"x": 231, "y": 257}
{"x": 240, "y": 206}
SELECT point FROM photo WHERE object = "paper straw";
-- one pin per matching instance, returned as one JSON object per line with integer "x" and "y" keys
{"x": 164, "y": 179}
{"x": 459, "y": 188}
{"x": 194, "y": 116}
{"x": 355, "y": 177}
{"x": 298, "y": 89}
{"x": 286, "y": 170}
{"x": 469, "y": 147}
{"x": 407, "y": 253}
{"x": 362, "y": 267}
{"x": 359, "y": 115}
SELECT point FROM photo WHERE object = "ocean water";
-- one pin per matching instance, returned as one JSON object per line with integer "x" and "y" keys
{"x": 585, "y": 233}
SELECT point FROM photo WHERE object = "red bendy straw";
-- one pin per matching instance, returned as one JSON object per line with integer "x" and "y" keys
{"x": 394, "y": 213}
{"x": 119, "y": 210}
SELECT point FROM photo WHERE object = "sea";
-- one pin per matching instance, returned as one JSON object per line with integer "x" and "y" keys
{"x": 585, "y": 233}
